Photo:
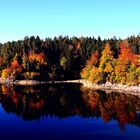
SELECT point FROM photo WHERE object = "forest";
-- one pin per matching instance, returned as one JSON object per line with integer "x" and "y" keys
{"x": 65, "y": 58}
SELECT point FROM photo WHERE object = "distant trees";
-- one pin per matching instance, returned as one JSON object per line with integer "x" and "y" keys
{"x": 64, "y": 58}
{"x": 60, "y": 58}
{"x": 124, "y": 69}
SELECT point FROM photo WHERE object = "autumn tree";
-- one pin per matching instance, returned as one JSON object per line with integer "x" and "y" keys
{"x": 63, "y": 62}
{"x": 126, "y": 65}
{"x": 25, "y": 62}
{"x": 90, "y": 68}
{"x": 94, "y": 60}
{"x": 94, "y": 75}
{"x": 106, "y": 65}
{"x": 6, "y": 73}
{"x": 41, "y": 56}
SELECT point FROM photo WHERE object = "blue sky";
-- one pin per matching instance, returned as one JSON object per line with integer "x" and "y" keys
{"x": 49, "y": 18}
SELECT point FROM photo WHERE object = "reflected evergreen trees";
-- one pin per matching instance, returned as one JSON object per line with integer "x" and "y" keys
{"x": 62, "y": 101}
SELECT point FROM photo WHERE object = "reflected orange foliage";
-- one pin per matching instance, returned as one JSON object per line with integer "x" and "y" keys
{"x": 4, "y": 89}
{"x": 15, "y": 98}
{"x": 105, "y": 114}
{"x": 111, "y": 105}
{"x": 93, "y": 100}
{"x": 123, "y": 118}
{"x": 36, "y": 105}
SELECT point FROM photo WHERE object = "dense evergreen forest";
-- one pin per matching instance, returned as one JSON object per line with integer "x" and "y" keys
{"x": 63, "y": 58}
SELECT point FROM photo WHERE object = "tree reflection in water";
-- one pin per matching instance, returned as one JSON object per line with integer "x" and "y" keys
{"x": 118, "y": 106}
{"x": 62, "y": 101}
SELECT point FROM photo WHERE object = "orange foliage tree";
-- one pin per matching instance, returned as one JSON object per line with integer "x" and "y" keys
{"x": 125, "y": 69}
{"x": 90, "y": 67}
{"x": 37, "y": 59}
{"x": 126, "y": 65}
{"x": 16, "y": 67}
{"x": 94, "y": 59}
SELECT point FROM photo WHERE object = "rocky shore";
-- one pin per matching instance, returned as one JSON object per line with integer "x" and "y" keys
{"x": 21, "y": 82}
{"x": 107, "y": 86}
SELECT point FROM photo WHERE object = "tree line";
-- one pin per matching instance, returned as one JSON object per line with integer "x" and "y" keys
{"x": 125, "y": 69}
{"x": 55, "y": 59}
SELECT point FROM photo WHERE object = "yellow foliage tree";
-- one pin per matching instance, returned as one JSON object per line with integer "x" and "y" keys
{"x": 63, "y": 62}
{"x": 94, "y": 75}
{"x": 86, "y": 72}
{"x": 6, "y": 73}
{"x": 107, "y": 63}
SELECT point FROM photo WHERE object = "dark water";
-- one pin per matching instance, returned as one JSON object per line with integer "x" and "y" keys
{"x": 67, "y": 112}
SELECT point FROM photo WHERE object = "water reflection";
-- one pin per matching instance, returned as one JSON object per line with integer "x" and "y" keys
{"x": 62, "y": 101}
{"x": 118, "y": 106}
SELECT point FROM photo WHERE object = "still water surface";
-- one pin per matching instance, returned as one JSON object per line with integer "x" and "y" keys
{"x": 67, "y": 112}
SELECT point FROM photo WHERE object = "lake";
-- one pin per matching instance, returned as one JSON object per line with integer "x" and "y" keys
{"x": 67, "y": 111}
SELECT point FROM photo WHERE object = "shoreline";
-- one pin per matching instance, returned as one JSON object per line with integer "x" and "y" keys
{"x": 106, "y": 87}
